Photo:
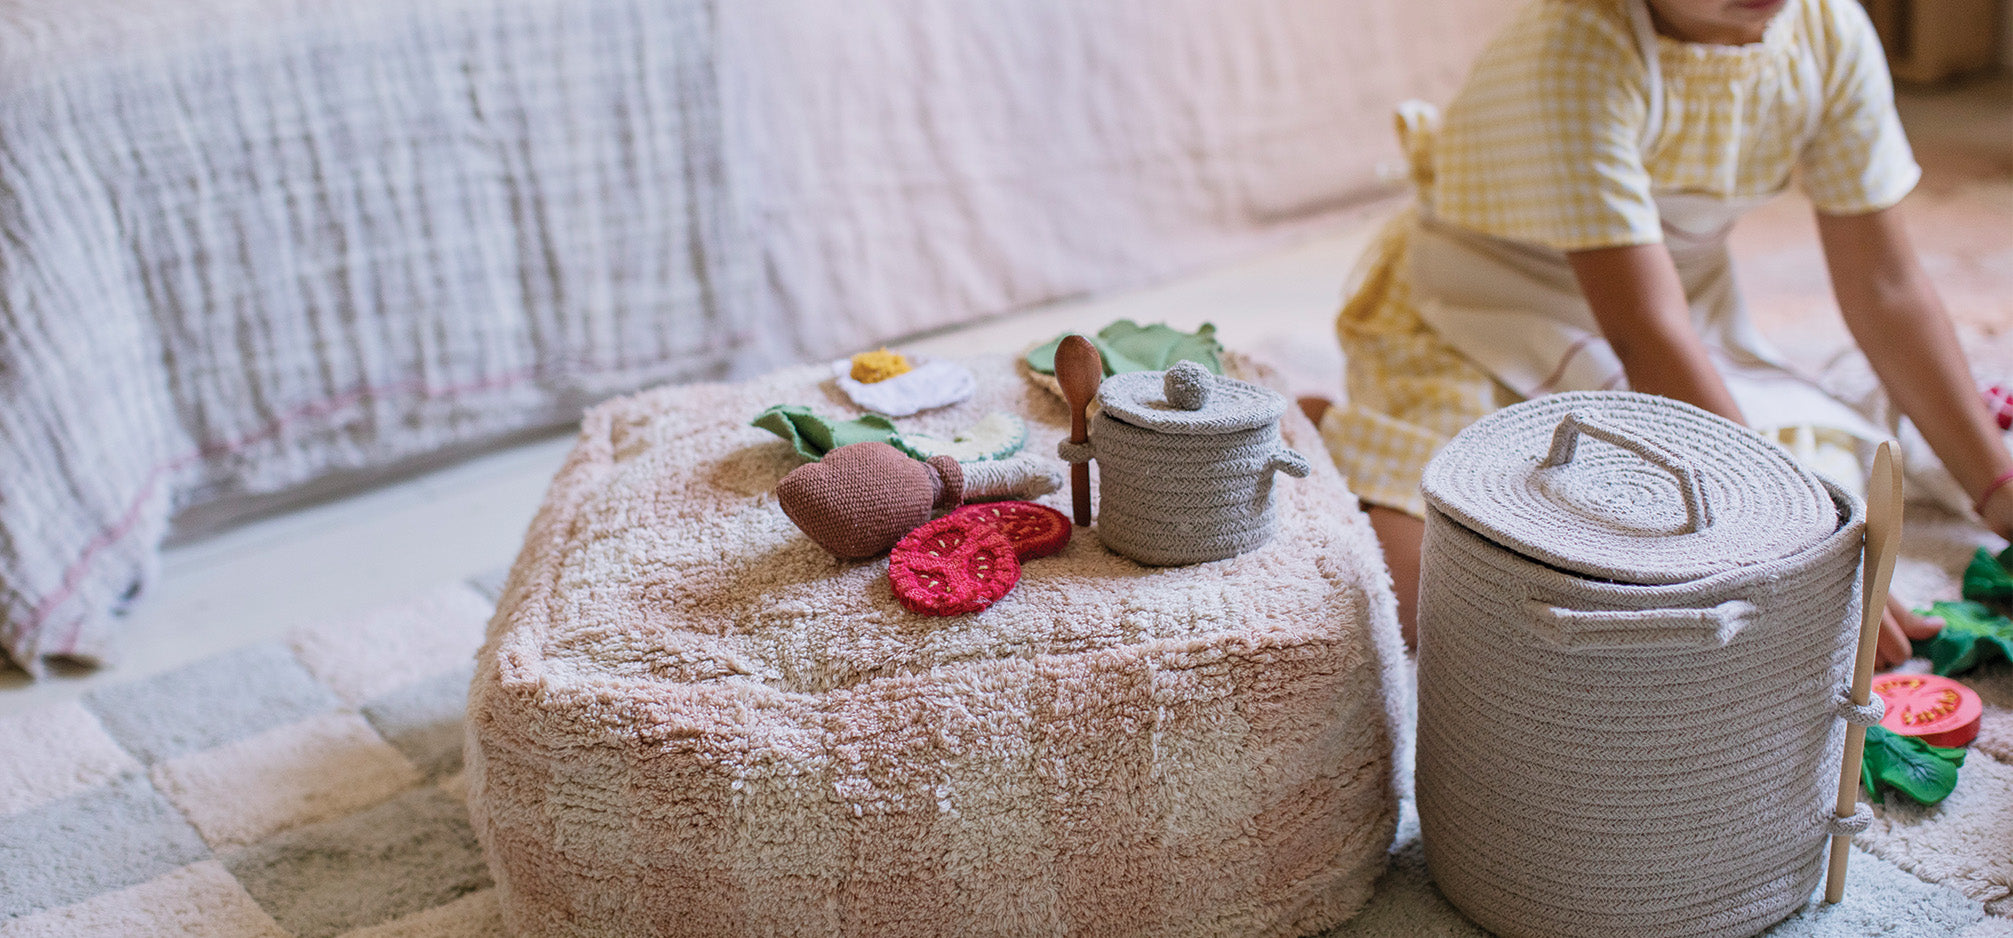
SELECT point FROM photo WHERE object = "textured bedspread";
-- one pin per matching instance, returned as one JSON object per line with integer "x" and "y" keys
{"x": 250, "y": 244}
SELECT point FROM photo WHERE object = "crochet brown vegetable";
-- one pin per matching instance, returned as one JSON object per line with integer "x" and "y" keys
{"x": 861, "y": 498}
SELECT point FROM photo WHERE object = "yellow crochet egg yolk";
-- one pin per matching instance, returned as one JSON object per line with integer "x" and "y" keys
{"x": 878, "y": 365}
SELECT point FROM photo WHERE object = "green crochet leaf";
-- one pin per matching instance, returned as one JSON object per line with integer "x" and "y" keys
{"x": 814, "y": 436}
{"x": 1908, "y": 765}
{"x": 1972, "y": 635}
{"x": 1988, "y": 579}
{"x": 1129, "y": 346}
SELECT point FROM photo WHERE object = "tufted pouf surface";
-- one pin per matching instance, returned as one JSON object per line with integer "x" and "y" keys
{"x": 688, "y": 719}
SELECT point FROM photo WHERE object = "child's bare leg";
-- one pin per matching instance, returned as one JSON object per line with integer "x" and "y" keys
{"x": 1401, "y": 536}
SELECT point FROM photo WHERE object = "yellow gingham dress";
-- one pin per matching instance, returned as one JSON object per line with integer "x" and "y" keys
{"x": 1555, "y": 145}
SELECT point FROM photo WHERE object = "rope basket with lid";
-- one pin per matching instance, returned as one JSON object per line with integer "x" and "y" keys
{"x": 1636, "y": 621}
{"x": 1186, "y": 463}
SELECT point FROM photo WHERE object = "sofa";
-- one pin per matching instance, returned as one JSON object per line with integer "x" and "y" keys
{"x": 252, "y": 251}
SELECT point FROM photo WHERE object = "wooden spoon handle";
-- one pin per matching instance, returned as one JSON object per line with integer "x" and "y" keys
{"x": 1079, "y": 368}
{"x": 1883, "y": 533}
{"x": 1079, "y": 491}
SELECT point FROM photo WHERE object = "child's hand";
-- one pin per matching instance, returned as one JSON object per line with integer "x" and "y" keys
{"x": 1899, "y": 628}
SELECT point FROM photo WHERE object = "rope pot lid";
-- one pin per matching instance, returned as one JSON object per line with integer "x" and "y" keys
{"x": 1188, "y": 399}
{"x": 1627, "y": 487}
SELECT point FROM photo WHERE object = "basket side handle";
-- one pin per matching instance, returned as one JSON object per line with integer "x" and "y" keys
{"x": 1578, "y": 629}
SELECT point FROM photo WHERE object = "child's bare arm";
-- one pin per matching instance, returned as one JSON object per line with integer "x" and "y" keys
{"x": 1641, "y": 309}
{"x": 1894, "y": 313}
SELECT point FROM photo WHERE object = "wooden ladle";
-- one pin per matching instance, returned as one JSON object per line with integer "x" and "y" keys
{"x": 1883, "y": 534}
{"x": 1079, "y": 369}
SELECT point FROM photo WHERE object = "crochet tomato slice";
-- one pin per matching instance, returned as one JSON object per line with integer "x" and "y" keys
{"x": 952, "y": 566}
{"x": 1939, "y": 710}
{"x": 1035, "y": 530}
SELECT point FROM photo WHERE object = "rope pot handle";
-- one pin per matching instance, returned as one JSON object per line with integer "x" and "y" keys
{"x": 1583, "y": 629}
{"x": 1289, "y": 462}
{"x": 1566, "y": 443}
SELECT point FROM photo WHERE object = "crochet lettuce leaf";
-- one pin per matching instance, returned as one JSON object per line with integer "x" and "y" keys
{"x": 1129, "y": 346}
{"x": 813, "y": 436}
{"x": 1908, "y": 765}
{"x": 1988, "y": 580}
{"x": 1972, "y": 635}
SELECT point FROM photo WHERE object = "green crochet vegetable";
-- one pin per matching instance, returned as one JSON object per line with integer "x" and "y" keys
{"x": 1989, "y": 580}
{"x": 1972, "y": 635}
{"x": 997, "y": 435}
{"x": 1908, "y": 765}
{"x": 814, "y": 436}
{"x": 1129, "y": 346}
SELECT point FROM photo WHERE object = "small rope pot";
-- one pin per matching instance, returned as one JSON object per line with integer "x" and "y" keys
{"x": 1636, "y": 622}
{"x": 1186, "y": 461}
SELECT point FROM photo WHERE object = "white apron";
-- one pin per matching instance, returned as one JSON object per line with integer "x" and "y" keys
{"x": 1517, "y": 310}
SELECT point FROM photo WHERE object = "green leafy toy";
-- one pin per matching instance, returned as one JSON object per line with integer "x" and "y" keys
{"x": 1972, "y": 635}
{"x": 813, "y": 436}
{"x": 1129, "y": 346}
{"x": 1989, "y": 579}
{"x": 1908, "y": 765}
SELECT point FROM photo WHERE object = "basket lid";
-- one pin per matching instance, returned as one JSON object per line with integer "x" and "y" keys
{"x": 1628, "y": 487}
{"x": 1187, "y": 398}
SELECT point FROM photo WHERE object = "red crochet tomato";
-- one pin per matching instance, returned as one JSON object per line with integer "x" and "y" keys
{"x": 952, "y": 566}
{"x": 1938, "y": 709}
{"x": 1035, "y": 530}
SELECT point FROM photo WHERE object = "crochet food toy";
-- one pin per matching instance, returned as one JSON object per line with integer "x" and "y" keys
{"x": 878, "y": 365}
{"x": 997, "y": 435}
{"x": 813, "y": 436}
{"x": 953, "y": 566}
{"x": 1034, "y": 530}
{"x": 861, "y": 498}
{"x": 920, "y": 386}
{"x": 1128, "y": 346}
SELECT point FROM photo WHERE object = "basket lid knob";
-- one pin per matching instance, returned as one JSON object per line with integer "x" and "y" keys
{"x": 1187, "y": 385}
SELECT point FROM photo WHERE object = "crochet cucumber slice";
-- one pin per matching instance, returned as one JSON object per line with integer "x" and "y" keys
{"x": 996, "y": 436}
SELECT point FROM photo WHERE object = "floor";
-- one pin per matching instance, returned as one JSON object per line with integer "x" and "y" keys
{"x": 260, "y": 580}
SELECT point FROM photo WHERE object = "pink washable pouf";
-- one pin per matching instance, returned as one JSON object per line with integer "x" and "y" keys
{"x": 690, "y": 719}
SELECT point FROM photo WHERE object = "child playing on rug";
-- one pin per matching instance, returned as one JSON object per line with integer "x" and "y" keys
{"x": 1569, "y": 234}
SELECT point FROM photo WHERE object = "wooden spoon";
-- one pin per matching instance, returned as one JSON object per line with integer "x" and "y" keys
{"x": 1079, "y": 369}
{"x": 1883, "y": 533}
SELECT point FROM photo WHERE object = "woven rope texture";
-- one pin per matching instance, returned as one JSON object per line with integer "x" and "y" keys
{"x": 1601, "y": 758}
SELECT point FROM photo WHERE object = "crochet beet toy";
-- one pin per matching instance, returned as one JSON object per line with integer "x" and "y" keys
{"x": 861, "y": 498}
